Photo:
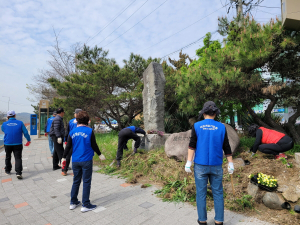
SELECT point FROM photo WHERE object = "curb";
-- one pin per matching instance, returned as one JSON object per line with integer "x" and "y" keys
{"x": 1, "y": 146}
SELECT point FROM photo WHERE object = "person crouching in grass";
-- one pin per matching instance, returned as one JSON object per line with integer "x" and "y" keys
{"x": 82, "y": 140}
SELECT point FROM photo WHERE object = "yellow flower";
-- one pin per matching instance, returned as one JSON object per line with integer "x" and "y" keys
{"x": 258, "y": 181}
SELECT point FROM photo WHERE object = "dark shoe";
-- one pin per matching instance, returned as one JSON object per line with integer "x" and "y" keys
{"x": 56, "y": 168}
{"x": 118, "y": 163}
{"x": 7, "y": 173}
{"x": 218, "y": 223}
{"x": 201, "y": 223}
{"x": 69, "y": 168}
{"x": 19, "y": 177}
{"x": 89, "y": 207}
{"x": 134, "y": 151}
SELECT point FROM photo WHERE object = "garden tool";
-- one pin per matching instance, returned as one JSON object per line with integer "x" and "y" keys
{"x": 232, "y": 185}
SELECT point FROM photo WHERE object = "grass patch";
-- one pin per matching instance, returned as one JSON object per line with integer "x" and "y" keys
{"x": 295, "y": 149}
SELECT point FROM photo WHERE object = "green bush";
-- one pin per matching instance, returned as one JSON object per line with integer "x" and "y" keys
{"x": 247, "y": 142}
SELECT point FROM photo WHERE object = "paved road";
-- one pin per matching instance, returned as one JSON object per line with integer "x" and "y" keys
{"x": 43, "y": 196}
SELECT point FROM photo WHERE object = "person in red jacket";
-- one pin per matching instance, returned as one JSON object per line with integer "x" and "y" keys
{"x": 270, "y": 141}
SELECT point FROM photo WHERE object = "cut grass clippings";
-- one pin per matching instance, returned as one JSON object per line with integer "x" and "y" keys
{"x": 154, "y": 167}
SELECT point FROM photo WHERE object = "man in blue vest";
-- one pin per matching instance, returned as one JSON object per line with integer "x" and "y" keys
{"x": 208, "y": 141}
{"x": 70, "y": 126}
{"x": 47, "y": 130}
{"x": 126, "y": 134}
{"x": 13, "y": 142}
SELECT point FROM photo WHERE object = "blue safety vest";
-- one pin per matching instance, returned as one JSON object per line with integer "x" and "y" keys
{"x": 131, "y": 128}
{"x": 210, "y": 138}
{"x": 81, "y": 144}
{"x": 49, "y": 122}
{"x": 72, "y": 124}
{"x": 13, "y": 130}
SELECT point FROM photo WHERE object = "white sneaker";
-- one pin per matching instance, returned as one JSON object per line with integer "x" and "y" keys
{"x": 88, "y": 207}
{"x": 74, "y": 206}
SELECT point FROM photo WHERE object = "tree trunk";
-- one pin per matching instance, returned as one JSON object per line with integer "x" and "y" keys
{"x": 291, "y": 126}
{"x": 268, "y": 116}
{"x": 257, "y": 119}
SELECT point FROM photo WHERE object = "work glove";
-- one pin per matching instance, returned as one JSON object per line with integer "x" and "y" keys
{"x": 28, "y": 143}
{"x": 63, "y": 163}
{"x": 230, "y": 168}
{"x": 102, "y": 157}
{"x": 46, "y": 134}
{"x": 188, "y": 167}
{"x": 252, "y": 154}
{"x": 59, "y": 140}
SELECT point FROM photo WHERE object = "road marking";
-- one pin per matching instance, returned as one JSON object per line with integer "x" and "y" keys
{"x": 61, "y": 180}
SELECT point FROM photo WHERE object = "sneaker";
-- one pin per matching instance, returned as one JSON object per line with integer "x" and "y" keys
{"x": 7, "y": 173}
{"x": 118, "y": 163}
{"x": 57, "y": 168}
{"x": 74, "y": 206}
{"x": 134, "y": 151}
{"x": 19, "y": 177}
{"x": 88, "y": 207}
{"x": 64, "y": 173}
{"x": 282, "y": 155}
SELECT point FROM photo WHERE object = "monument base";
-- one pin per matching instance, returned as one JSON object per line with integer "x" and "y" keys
{"x": 152, "y": 141}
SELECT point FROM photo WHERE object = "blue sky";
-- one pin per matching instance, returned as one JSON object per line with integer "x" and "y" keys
{"x": 26, "y": 33}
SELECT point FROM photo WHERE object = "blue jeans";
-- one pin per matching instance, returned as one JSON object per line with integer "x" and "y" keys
{"x": 82, "y": 170}
{"x": 51, "y": 144}
{"x": 215, "y": 175}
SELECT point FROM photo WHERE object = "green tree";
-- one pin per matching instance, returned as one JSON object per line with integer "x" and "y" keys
{"x": 102, "y": 87}
{"x": 237, "y": 72}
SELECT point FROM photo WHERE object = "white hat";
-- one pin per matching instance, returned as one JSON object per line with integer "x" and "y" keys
{"x": 11, "y": 113}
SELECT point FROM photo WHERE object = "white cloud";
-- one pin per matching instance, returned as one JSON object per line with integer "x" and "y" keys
{"x": 27, "y": 33}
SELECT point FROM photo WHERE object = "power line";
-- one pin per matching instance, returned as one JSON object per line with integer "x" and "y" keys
{"x": 137, "y": 23}
{"x": 267, "y": 7}
{"x": 110, "y": 22}
{"x": 194, "y": 42}
{"x": 125, "y": 20}
{"x": 183, "y": 28}
{"x": 267, "y": 12}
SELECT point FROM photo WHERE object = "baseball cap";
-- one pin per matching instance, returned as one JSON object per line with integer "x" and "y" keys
{"x": 77, "y": 111}
{"x": 54, "y": 113}
{"x": 11, "y": 113}
{"x": 60, "y": 110}
{"x": 210, "y": 105}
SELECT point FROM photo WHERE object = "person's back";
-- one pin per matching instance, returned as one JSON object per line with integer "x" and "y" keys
{"x": 81, "y": 143}
{"x": 13, "y": 142}
{"x": 210, "y": 138}
{"x": 49, "y": 123}
{"x": 13, "y": 134}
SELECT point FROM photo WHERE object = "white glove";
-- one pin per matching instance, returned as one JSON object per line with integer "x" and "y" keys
{"x": 102, "y": 157}
{"x": 230, "y": 168}
{"x": 59, "y": 140}
{"x": 188, "y": 167}
{"x": 62, "y": 160}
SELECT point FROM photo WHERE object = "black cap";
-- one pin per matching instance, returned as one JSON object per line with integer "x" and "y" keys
{"x": 210, "y": 105}
{"x": 77, "y": 111}
{"x": 60, "y": 110}
{"x": 54, "y": 113}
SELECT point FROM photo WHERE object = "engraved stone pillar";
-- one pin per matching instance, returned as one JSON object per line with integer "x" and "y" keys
{"x": 153, "y": 97}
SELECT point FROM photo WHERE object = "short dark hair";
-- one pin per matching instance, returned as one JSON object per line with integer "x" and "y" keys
{"x": 11, "y": 116}
{"x": 83, "y": 118}
{"x": 210, "y": 112}
{"x": 252, "y": 129}
{"x": 60, "y": 110}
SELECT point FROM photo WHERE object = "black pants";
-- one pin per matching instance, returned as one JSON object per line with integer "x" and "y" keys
{"x": 17, "y": 150}
{"x": 284, "y": 144}
{"x": 124, "y": 136}
{"x": 58, "y": 152}
{"x": 68, "y": 160}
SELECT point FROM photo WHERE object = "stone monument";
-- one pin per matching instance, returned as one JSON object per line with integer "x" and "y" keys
{"x": 153, "y": 106}
{"x": 153, "y": 97}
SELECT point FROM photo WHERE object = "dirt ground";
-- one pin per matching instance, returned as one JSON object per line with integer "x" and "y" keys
{"x": 268, "y": 165}
{"x": 263, "y": 163}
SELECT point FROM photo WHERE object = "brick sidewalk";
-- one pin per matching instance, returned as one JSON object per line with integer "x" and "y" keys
{"x": 43, "y": 197}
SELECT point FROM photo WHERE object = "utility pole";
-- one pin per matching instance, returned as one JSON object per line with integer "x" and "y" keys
{"x": 8, "y": 101}
{"x": 239, "y": 10}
